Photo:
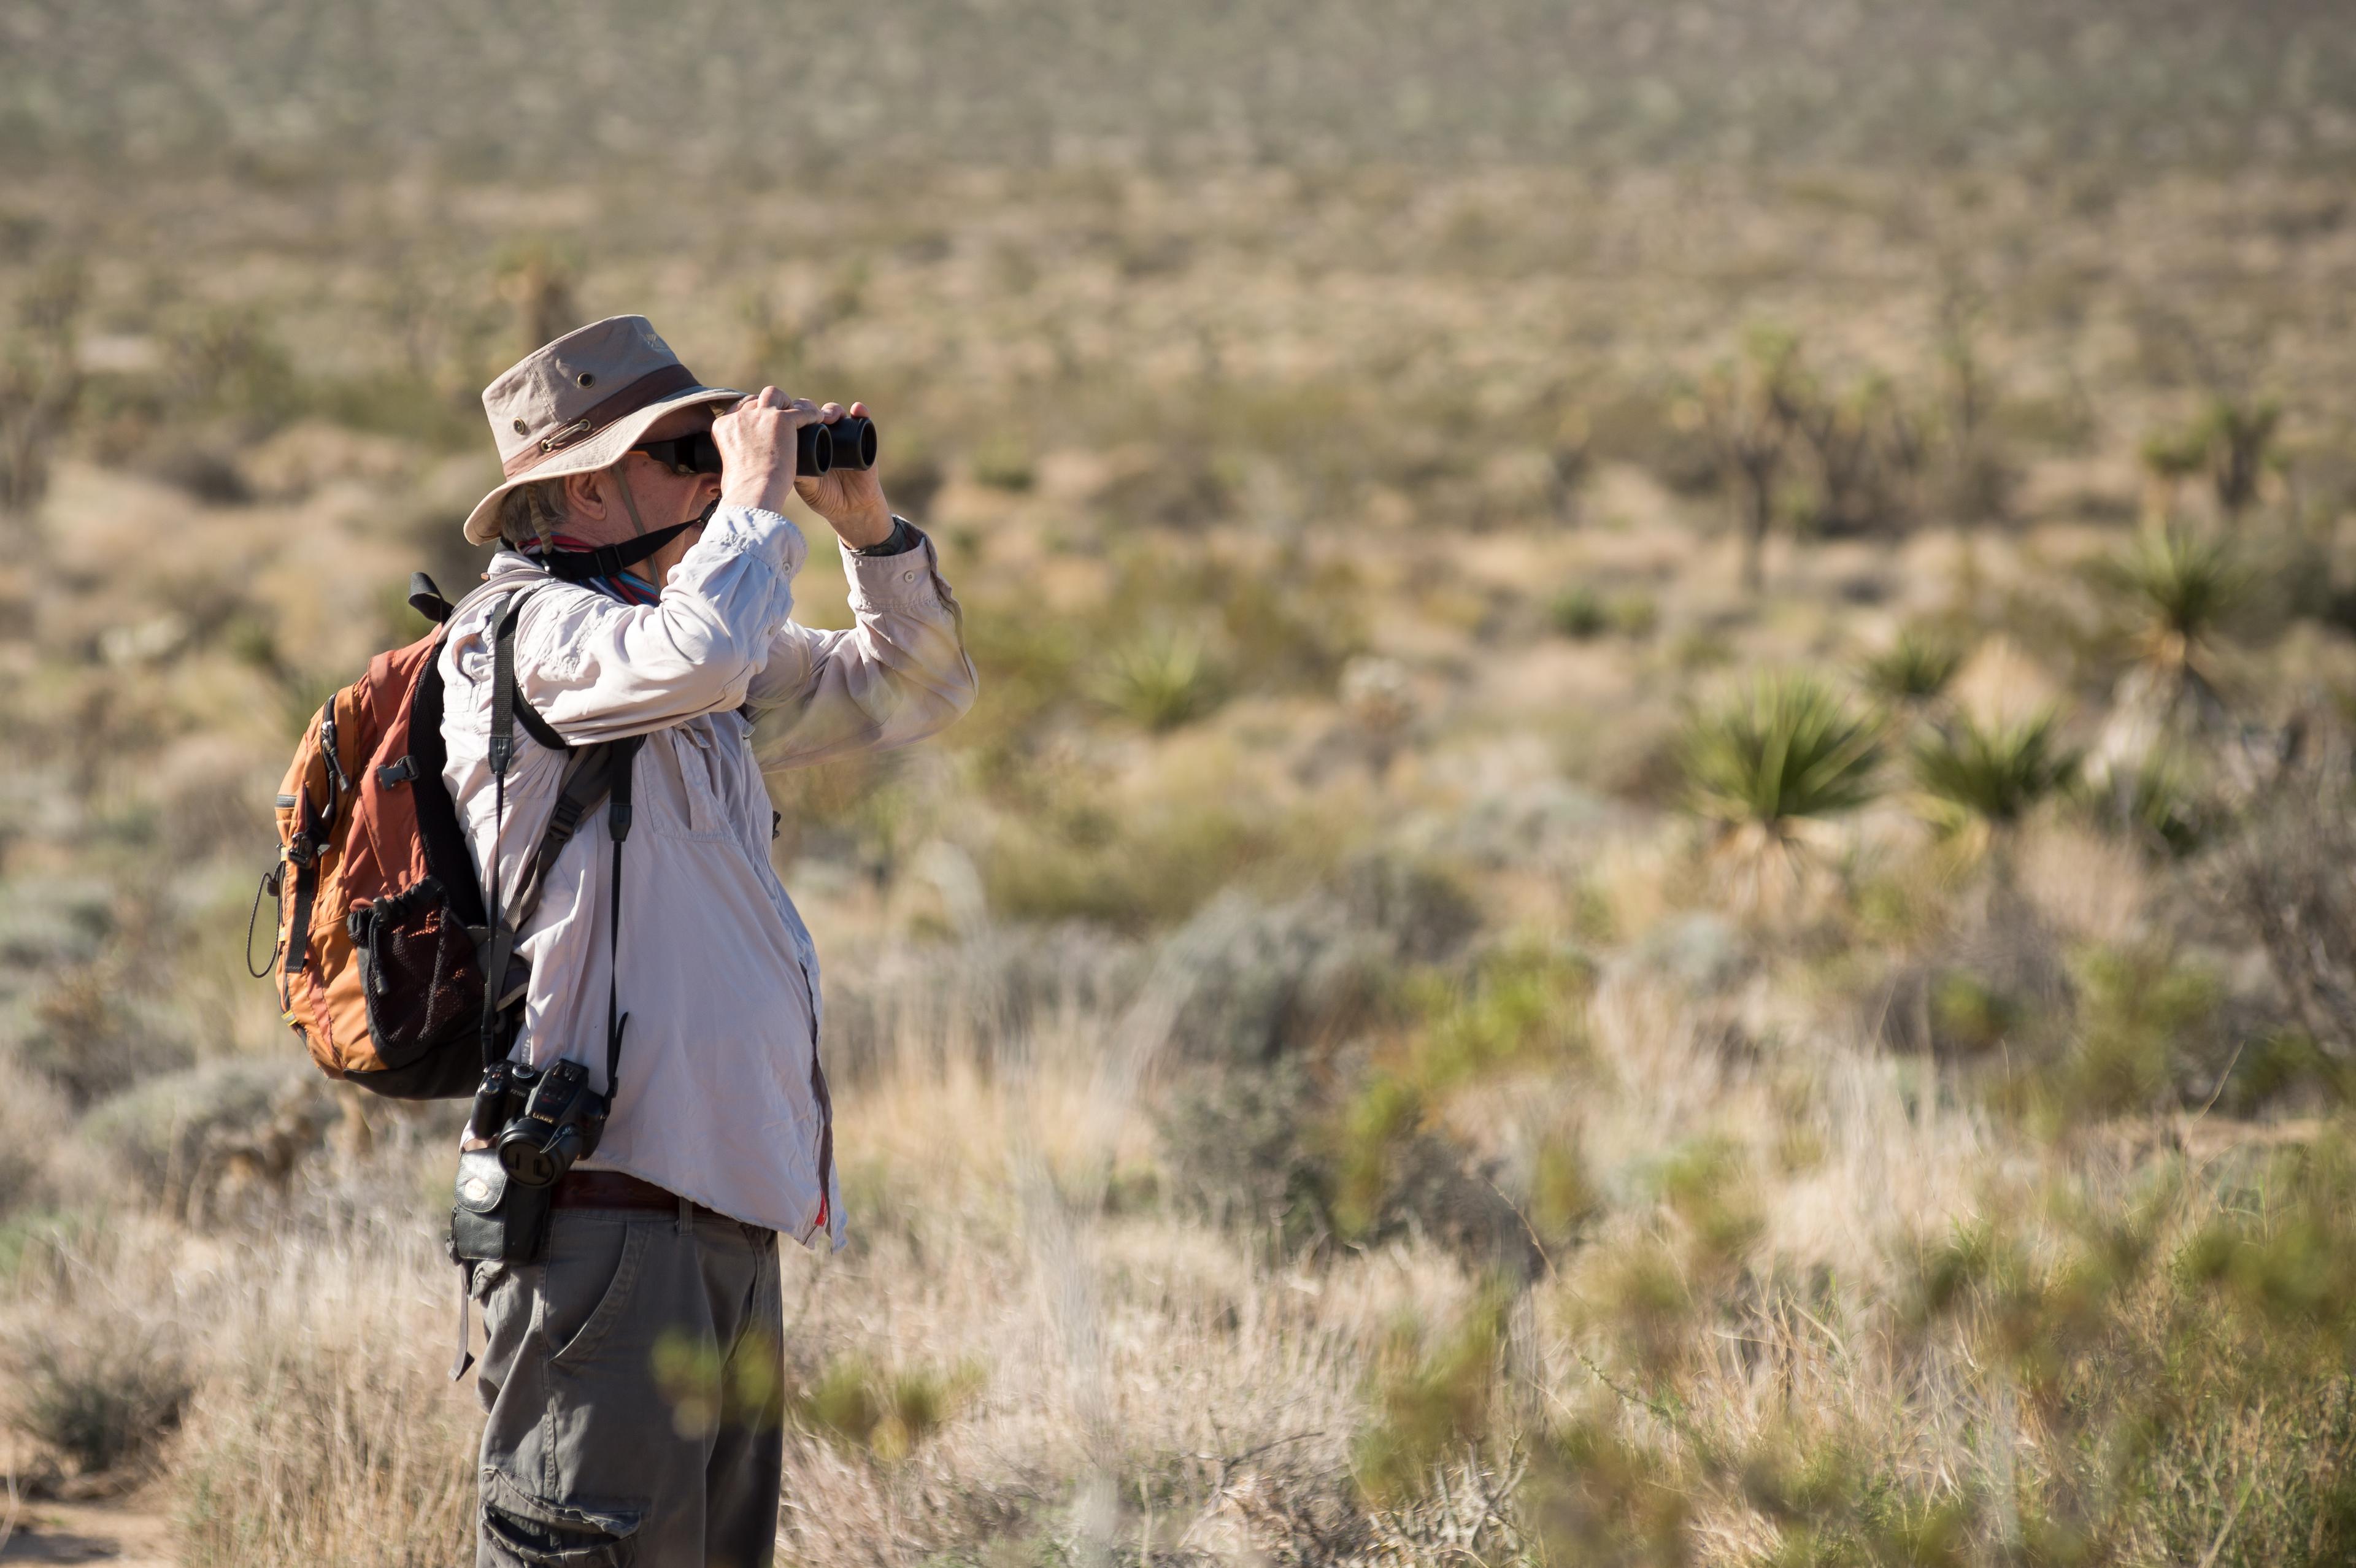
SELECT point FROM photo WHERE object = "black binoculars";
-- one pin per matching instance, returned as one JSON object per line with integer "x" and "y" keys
{"x": 848, "y": 443}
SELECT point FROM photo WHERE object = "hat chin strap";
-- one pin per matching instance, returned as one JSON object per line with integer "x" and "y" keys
{"x": 608, "y": 560}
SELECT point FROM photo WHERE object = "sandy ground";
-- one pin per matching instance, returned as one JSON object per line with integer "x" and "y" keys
{"x": 123, "y": 1532}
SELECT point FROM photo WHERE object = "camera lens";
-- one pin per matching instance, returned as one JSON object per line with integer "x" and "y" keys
{"x": 527, "y": 1163}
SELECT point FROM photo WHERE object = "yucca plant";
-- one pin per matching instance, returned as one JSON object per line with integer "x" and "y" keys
{"x": 2182, "y": 591}
{"x": 1915, "y": 670}
{"x": 1162, "y": 681}
{"x": 1773, "y": 768}
{"x": 1978, "y": 782}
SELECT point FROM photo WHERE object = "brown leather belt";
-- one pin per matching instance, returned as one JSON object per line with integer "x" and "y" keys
{"x": 620, "y": 1190}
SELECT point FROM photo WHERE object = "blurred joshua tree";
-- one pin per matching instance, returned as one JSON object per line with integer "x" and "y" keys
{"x": 2233, "y": 441}
{"x": 1862, "y": 446}
{"x": 1743, "y": 409}
{"x": 538, "y": 283}
{"x": 1978, "y": 783}
{"x": 40, "y": 384}
{"x": 1977, "y": 480}
{"x": 1567, "y": 463}
{"x": 1770, "y": 769}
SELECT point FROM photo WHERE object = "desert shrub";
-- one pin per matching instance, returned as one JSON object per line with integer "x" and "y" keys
{"x": 1155, "y": 864}
{"x": 1915, "y": 669}
{"x": 31, "y": 1113}
{"x": 1238, "y": 1146}
{"x": 40, "y": 384}
{"x": 2140, "y": 1015}
{"x": 155, "y": 1134}
{"x": 226, "y": 362}
{"x": 1788, "y": 754}
{"x": 888, "y": 1411}
{"x": 1519, "y": 1008}
{"x": 100, "y": 1394}
{"x": 1004, "y": 464}
{"x": 1771, "y": 770}
{"x": 2155, "y": 804}
{"x": 2232, "y": 442}
{"x": 1162, "y": 681}
{"x": 2285, "y": 872}
{"x": 1988, "y": 777}
{"x": 2182, "y": 594}
{"x": 1582, "y": 613}
{"x": 1268, "y": 979}
{"x": 1432, "y": 1402}
{"x": 92, "y": 1040}
{"x": 1577, "y": 613}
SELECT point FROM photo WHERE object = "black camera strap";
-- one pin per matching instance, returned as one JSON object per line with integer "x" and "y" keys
{"x": 617, "y": 824}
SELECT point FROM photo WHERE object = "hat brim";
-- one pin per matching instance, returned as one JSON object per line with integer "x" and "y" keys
{"x": 602, "y": 450}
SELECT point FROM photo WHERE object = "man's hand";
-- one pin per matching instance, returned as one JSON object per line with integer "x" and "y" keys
{"x": 850, "y": 499}
{"x": 756, "y": 448}
{"x": 757, "y": 443}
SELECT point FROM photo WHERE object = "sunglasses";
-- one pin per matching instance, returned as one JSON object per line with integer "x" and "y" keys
{"x": 684, "y": 455}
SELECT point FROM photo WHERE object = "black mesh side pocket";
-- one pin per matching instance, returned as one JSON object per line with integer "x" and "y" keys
{"x": 424, "y": 989}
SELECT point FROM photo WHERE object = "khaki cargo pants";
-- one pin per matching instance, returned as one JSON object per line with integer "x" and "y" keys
{"x": 636, "y": 1406}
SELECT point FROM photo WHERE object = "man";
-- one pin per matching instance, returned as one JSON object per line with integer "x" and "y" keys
{"x": 631, "y": 1377}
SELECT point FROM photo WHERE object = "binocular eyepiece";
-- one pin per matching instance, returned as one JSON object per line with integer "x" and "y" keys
{"x": 848, "y": 443}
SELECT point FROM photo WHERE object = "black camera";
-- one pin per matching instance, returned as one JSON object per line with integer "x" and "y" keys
{"x": 540, "y": 1120}
{"x": 528, "y": 1127}
{"x": 561, "y": 1122}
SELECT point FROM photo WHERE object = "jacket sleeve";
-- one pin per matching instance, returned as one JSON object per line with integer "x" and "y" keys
{"x": 898, "y": 675}
{"x": 597, "y": 670}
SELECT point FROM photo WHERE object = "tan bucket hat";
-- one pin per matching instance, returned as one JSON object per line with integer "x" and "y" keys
{"x": 578, "y": 404}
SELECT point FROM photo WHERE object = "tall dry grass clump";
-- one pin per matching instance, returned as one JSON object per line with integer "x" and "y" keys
{"x": 327, "y": 1430}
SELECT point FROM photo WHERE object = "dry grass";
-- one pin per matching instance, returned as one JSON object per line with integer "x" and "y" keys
{"x": 1310, "y": 1090}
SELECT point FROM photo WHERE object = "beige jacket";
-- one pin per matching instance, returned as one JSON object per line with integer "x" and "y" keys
{"x": 722, "y": 1097}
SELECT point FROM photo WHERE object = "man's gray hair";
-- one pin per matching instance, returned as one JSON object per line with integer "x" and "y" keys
{"x": 530, "y": 513}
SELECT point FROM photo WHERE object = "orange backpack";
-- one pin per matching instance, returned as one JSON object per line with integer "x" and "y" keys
{"x": 381, "y": 927}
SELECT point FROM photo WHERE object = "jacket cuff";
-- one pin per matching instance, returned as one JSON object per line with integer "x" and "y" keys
{"x": 908, "y": 581}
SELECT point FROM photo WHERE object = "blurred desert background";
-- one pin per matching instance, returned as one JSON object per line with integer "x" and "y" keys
{"x": 1655, "y": 864}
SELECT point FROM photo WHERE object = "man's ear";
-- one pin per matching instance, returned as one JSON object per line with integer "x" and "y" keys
{"x": 585, "y": 496}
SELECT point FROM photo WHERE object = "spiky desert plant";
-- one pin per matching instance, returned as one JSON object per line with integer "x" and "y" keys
{"x": 1772, "y": 769}
{"x": 1978, "y": 782}
{"x": 1913, "y": 670}
{"x": 2182, "y": 591}
{"x": 1162, "y": 681}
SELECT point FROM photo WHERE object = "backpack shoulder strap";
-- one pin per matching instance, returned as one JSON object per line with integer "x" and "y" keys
{"x": 509, "y": 707}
